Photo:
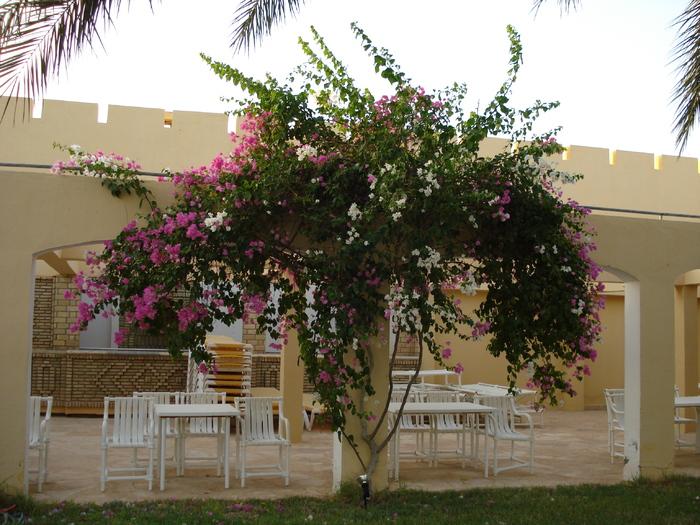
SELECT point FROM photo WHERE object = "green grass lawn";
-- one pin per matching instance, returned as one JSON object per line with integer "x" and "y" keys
{"x": 675, "y": 500}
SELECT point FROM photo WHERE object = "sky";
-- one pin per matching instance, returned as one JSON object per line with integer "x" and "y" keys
{"x": 609, "y": 63}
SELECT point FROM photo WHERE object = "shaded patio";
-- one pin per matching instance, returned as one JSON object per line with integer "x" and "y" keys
{"x": 570, "y": 449}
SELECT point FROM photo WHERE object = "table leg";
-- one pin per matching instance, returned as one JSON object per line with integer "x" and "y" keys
{"x": 397, "y": 451}
{"x": 486, "y": 447}
{"x": 161, "y": 453}
{"x": 227, "y": 434}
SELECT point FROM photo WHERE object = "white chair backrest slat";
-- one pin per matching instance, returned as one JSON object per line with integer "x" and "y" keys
{"x": 131, "y": 417}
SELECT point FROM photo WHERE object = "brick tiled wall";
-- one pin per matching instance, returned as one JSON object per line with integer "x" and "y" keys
{"x": 80, "y": 379}
{"x": 43, "y": 310}
{"x": 251, "y": 337}
{"x": 65, "y": 312}
{"x": 408, "y": 346}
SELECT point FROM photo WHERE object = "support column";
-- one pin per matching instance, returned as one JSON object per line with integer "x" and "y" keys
{"x": 687, "y": 339}
{"x": 346, "y": 465}
{"x": 649, "y": 375}
{"x": 292, "y": 386}
{"x": 686, "y": 369}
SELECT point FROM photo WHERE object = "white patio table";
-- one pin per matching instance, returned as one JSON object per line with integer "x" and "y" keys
{"x": 691, "y": 402}
{"x": 495, "y": 390}
{"x": 222, "y": 411}
{"x": 462, "y": 408}
{"x": 422, "y": 374}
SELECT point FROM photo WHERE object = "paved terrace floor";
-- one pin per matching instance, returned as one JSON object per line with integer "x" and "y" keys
{"x": 570, "y": 449}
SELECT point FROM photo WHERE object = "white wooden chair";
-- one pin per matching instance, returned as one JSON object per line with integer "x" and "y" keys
{"x": 131, "y": 426}
{"x": 256, "y": 427}
{"x": 680, "y": 420}
{"x": 311, "y": 409}
{"x": 500, "y": 426}
{"x": 418, "y": 425}
{"x": 197, "y": 427}
{"x": 159, "y": 398}
{"x": 615, "y": 405}
{"x": 447, "y": 424}
{"x": 522, "y": 404}
{"x": 39, "y": 436}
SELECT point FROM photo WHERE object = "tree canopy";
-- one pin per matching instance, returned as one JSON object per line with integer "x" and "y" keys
{"x": 337, "y": 212}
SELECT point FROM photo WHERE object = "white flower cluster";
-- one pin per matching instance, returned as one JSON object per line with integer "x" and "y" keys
{"x": 94, "y": 164}
{"x": 547, "y": 168}
{"x": 566, "y": 269}
{"x": 352, "y": 235}
{"x": 214, "y": 222}
{"x": 405, "y": 317}
{"x": 388, "y": 168}
{"x": 354, "y": 212}
{"x": 566, "y": 178}
{"x": 396, "y": 206}
{"x": 306, "y": 151}
{"x": 468, "y": 285}
{"x": 579, "y": 310}
{"x": 428, "y": 262}
{"x": 430, "y": 179}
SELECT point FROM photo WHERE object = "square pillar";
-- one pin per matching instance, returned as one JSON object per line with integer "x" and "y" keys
{"x": 649, "y": 376}
{"x": 346, "y": 465}
{"x": 292, "y": 386}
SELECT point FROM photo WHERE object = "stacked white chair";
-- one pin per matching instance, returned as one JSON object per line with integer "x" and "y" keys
{"x": 256, "y": 427}
{"x": 40, "y": 435}
{"x": 130, "y": 427}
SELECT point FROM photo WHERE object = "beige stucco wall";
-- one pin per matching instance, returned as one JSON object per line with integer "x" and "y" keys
{"x": 41, "y": 211}
{"x": 606, "y": 372}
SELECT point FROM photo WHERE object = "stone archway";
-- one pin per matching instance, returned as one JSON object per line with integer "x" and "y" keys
{"x": 39, "y": 211}
{"x": 648, "y": 254}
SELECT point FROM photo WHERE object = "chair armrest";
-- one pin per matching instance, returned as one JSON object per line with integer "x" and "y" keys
{"x": 527, "y": 417}
{"x": 284, "y": 423}
{"x": 44, "y": 431}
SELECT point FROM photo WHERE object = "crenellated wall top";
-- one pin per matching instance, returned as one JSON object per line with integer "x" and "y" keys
{"x": 155, "y": 138}
{"x": 159, "y": 139}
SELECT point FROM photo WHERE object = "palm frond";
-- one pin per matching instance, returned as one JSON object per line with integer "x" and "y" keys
{"x": 564, "y": 5}
{"x": 254, "y": 19}
{"x": 686, "y": 92}
{"x": 38, "y": 37}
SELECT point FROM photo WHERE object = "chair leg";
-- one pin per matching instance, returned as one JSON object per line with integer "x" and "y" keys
{"x": 286, "y": 467}
{"x": 243, "y": 466}
{"x": 46, "y": 463}
{"x": 40, "y": 472}
{"x": 237, "y": 468}
{"x": 149, "y": 472}
{"x": 495, "y": 457}
{"x": 103, "y": 478}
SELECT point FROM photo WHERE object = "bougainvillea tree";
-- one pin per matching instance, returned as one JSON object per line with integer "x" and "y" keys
{"x": 355, "y": 211}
